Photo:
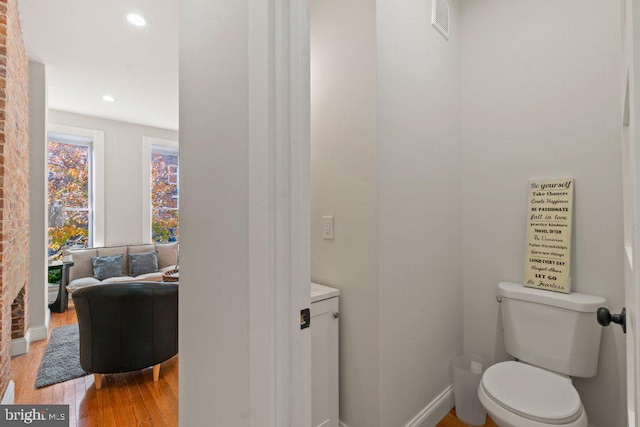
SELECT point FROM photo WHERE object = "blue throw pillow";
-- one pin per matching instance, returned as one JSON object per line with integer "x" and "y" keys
{"x": 143, "y": 263}
{"x": 105, "y": 267}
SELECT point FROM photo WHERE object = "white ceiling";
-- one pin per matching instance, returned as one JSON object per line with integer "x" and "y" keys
{"x": 91, "y": 50}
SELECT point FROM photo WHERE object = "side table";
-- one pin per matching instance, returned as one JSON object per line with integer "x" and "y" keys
{"x": 62, "y": 301}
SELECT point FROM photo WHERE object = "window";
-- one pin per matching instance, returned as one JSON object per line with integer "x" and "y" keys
{"x": 164, "y": 194}
{"x": 69, "y": 193}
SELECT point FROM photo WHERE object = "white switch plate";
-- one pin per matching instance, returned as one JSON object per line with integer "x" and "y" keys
{"x": 327, "y": 227}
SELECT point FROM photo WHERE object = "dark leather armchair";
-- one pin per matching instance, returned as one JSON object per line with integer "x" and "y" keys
{"x": 126, "y": 327}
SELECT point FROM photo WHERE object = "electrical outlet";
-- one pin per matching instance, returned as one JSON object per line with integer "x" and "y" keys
{"x": 327, "y": 230}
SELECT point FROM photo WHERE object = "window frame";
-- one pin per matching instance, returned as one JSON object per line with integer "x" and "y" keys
{"x": 149, "y": 146}
{"x": 59, "y": 138}
{"x": 97, "y": 176}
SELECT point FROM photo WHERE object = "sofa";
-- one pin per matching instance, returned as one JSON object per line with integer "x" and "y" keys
{"x": 126, "y": 326}
{"x": 83, "y": 272}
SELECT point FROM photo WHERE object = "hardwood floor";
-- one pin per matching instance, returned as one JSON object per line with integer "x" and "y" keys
{"x": 450, "y": 420}
{"x": 128, "y": 399}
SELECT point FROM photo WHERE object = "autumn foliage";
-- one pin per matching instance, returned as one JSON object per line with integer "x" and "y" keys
{"x": 68, "y": 186}
{"x": 164, "y": 197}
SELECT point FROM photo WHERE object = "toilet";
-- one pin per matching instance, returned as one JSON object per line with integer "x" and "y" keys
{"x": 554, "y": 337}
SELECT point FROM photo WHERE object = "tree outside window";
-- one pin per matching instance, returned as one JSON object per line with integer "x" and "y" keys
{"x": 68, "y": 196}
{"x": 164, "y": 196}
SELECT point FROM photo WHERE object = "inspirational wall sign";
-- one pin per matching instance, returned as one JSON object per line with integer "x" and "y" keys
{"x": 548, "y": 259}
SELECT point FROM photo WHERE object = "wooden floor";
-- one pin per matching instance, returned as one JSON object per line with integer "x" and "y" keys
{"x": 450, "y": 420}
{"x": 130, "y": 399}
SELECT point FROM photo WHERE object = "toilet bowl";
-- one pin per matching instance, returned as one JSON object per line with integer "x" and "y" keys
{"x": 554, "y": 337}
{"x": 519, "y": 395}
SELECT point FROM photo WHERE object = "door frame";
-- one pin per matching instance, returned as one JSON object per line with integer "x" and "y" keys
{"x": 279, "y": 242}
{"x": 245, "y": 238}
{"x": 631, "y": 192}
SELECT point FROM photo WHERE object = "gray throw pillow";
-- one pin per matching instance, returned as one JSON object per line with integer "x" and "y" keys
{"x": 105, "y": 267}
{"x": 143, "y": 263}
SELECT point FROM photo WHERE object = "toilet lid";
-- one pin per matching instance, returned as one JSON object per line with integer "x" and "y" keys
{"x": 532, "y": 392}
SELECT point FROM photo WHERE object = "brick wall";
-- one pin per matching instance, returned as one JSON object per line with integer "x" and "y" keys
{"x": 14, "y": 177}
{"x": 18, "y": 312}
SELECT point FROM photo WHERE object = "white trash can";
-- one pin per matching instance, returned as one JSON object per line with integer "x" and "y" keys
{"x": 467, "y": 372}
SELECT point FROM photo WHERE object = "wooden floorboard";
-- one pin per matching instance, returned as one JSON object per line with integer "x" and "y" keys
{"x": 450, "y": 420}
{"x": 129, "y": 399}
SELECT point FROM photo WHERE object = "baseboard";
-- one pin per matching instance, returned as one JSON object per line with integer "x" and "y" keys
{"x": 341, "y": 424}
{"x": 9, "y": 395}
{"x": 435, "y": 411}
{"x": 38, "y": 333}
{"x": 21, "y": 345}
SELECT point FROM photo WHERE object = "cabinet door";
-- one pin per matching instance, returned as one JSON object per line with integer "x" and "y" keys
{"x": 324, "y": 363}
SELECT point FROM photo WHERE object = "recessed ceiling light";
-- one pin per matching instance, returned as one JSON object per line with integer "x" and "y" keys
{"x": 108, "y": 98}
{"x": 137, "y": 20}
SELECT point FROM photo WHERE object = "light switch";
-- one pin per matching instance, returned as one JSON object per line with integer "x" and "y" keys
{"x": 327, "y": 231}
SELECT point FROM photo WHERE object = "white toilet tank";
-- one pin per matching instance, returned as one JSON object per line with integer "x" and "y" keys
{"x": 551, "y": 330}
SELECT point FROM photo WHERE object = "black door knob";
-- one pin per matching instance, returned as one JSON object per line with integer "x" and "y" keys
{"x": 605, "y": 318}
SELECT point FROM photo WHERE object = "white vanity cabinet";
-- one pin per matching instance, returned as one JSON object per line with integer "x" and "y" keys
{"x": 324, "y": 356}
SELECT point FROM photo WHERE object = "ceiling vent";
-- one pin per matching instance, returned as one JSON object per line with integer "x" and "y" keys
{"x": 440, "y": 17}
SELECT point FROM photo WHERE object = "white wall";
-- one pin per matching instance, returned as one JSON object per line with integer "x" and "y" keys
{"x": 124, "y": 194}
{"x": 419, "y": 207}
{"x": 533, "y": 97}
{"x": 214, "y": 297}
{"x": 540, "y": 98}
{"x": 244, "y": 122}
{"x": 344, "y": 172}
{"x": 386, "y": 164}
{"x": 38, "y": 111}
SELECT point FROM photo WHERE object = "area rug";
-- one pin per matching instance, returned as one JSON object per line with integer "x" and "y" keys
{"x": 61, "y": 360}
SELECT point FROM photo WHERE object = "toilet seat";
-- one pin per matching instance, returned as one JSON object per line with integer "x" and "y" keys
{"x": 532, "y": 393}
